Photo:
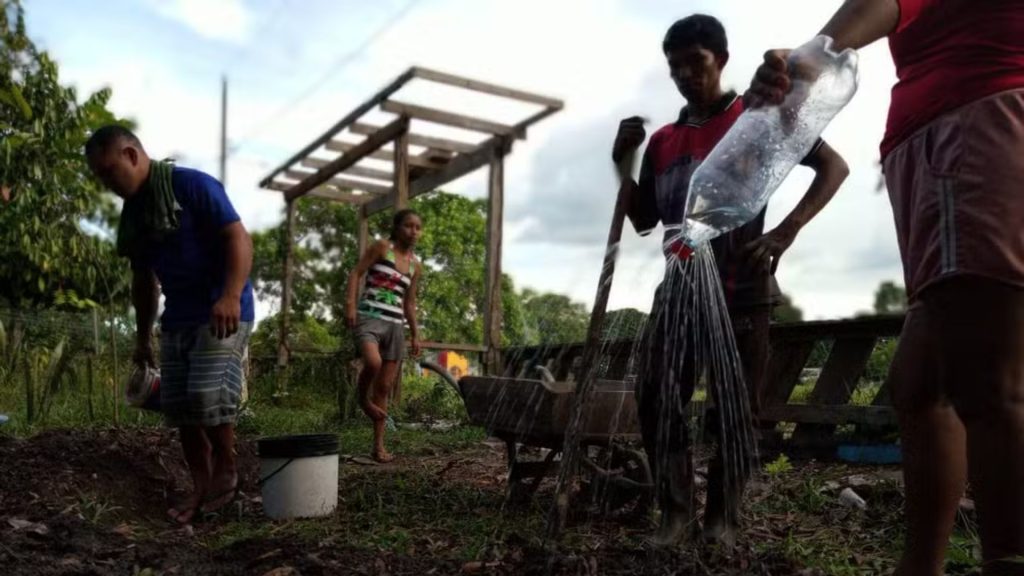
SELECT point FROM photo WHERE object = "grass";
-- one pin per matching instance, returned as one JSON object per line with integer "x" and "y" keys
{"x": 412, "y": 511}
{"x": 863, "y": 395}
{"x": 843, "y": 541}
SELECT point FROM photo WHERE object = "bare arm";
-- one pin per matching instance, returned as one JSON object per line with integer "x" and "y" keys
{"x": 372, "y": 254}
{"x": 858, "y": 23}
{"x": 146, "y": 300}
{"x": 227, "y": 311}
{"x": 409, "y": 303}
{"x": 830, "y": 170}
{"x": 238, "y": 258}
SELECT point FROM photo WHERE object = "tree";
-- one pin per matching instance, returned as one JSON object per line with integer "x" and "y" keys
{"x": 787, "y": 311}
{"x": 45, "y": 187}
{"x": 553, "y": 318}
{"x": 624, "y": 324}
{"x": 305, "y": 334}
{"x": 451, "y": 295}
{"x": 890, "y": 298}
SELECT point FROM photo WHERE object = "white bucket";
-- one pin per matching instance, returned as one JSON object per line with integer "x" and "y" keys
{"x": 299, "y": 475}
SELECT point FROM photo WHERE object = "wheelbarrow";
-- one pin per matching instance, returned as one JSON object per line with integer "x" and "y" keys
{"x": 536, "y": 414}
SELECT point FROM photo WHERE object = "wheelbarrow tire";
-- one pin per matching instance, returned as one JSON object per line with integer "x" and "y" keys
{"x": 440, "y": 371}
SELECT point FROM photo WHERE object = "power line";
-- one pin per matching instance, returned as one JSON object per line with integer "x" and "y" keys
{"x": 243, "y": 53}
{"x": 338, "y": 64}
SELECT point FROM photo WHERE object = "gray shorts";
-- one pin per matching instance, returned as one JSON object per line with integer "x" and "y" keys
{"x": 388, "y": 336}
{"x": 200, "y": 376}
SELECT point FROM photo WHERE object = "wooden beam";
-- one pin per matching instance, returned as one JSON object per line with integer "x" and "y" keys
{"x": 339, "y": 196}
{"x": 455, "y": 347}
{"x": 401, "y": 189}
{"x": 478, "y": 86}
{"x": 361, "y": 171}
{"x": 326, "y": 192}
{"x": 441, "y": 157}
{"x": 839, "y": 378}
{"x": 522, "y": 126}
{"x": 450, "y": 119}
{"x": 420, "y": 139}
{"x": 785, "y": 364}
{"x": 363, "y": 108}
{"x": 876, "y": 326}
{"x": 343, "y": 183}
{"x": 342, "y": 146}
{"x": 375, "y": 189}
{"x": 349, "y": 159}
{"x": 460, "y": 166}
{"x": 495, "y": 219}
{"x": 834, "y": 415}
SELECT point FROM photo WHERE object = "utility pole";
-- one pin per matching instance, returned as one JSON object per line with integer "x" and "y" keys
{"x": 224, "y": 130}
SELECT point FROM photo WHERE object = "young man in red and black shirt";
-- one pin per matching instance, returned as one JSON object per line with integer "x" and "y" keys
{"x": 696, "y": 51}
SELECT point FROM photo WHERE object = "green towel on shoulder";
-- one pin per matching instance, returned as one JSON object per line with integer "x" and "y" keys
{"x": 151, "y": 214}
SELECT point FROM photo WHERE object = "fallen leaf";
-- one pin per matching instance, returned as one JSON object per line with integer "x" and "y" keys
{"x": 477, "y": 566}
{"x": 126, "y": 530}
{"x": 33, "y": 527}
{"x": 271, "y": 554}
{"x": 282, "y": 571}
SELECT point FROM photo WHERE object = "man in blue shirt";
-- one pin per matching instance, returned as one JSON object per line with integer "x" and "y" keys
{"x": 183, "y": 236}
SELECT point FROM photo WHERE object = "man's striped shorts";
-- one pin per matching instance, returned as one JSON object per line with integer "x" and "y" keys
{"x": 200, "y": 376}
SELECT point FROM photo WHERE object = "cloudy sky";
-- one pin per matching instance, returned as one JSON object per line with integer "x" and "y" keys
{"x": 297, "y": 66}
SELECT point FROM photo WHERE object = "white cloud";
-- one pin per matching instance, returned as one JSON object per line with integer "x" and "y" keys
{"x": 227, "y": 20}
{"x": 601, "y": 56}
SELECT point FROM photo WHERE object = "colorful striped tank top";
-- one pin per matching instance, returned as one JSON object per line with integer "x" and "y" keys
{"x": 385, "y": 288}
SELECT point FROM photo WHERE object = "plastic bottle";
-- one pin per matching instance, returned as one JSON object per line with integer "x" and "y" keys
{"x": 733, "y": 184}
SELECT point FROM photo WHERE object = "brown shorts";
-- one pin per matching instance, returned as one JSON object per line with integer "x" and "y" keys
{"x": 957, "y": 193}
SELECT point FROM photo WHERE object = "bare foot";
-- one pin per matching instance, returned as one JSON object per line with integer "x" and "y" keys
{"x": 221, "y": 493}
{"x": 382, "y": 456}
{"x": 676, "y": 527}
{"x": 183, "y": 512}
{"x": 718, "y": 531}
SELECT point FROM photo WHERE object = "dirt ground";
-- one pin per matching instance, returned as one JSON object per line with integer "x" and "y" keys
{"x": 94, "y": 502}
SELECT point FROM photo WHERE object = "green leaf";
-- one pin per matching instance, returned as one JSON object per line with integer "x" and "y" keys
{"x": 19, "y": 100}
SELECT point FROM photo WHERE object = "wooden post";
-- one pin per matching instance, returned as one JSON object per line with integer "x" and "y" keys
{"x": 402, "y": 170}
{"x": 495, "y": 216}
{"x": 286, "y": 301}
{"x": 364, "y": 232}
{"x": 113, "y": 381}
{"x": 839, "y": 378}
{"x": 93, "y": 354}
{"x": 30, "y": 390}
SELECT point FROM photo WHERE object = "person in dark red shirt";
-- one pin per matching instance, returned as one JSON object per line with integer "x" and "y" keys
{"x": 696, "y": 51}
{"x": 953, "y": 157}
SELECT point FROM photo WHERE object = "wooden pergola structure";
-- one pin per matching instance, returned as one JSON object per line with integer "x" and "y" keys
{"x": 336, "y": 166}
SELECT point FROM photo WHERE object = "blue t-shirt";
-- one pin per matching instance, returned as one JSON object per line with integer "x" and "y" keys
{"x": 190, "y": 263}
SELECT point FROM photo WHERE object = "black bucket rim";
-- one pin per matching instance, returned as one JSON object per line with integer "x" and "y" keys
{"x": 298, "y": 446}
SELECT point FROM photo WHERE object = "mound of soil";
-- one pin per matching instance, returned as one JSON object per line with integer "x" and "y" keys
{"x": 137, "y": 470}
